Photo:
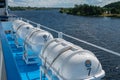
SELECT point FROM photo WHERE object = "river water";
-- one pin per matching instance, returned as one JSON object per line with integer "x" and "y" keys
{"x": 102, "y": 31}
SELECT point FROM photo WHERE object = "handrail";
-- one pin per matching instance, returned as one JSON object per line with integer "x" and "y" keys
{"x": 80, "y": 40}
{"x": 96, "y": 46}
{"x": 29, "y": 21}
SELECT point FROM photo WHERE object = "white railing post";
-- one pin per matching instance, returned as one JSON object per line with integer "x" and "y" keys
{"x": 60, "y": 35}
{"x": 27, "y": 21}
{"x": 38, "y": 25}
{"x": 20, "y": 18}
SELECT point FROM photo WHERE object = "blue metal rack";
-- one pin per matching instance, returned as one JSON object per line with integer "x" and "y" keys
{"x": 12, "y": 72}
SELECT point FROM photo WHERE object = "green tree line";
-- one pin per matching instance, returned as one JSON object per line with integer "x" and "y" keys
{"x": 29, "y": 8}
{"x": 89, "y": 10}
{"x": 114, "y": 8}
{"x": 83, "y": 10}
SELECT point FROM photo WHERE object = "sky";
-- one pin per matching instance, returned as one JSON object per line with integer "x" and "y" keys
{"x": 58, "y": 3}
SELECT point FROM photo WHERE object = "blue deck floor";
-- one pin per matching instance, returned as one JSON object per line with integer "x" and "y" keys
{"x": 27, "y": 72}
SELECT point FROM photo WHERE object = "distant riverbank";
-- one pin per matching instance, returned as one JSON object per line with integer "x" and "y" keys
{"x": 110, "y": 10}
{"x": 111, "y": 15}
{"x": 96, "y": 15}
{"x": 30, "y": 8}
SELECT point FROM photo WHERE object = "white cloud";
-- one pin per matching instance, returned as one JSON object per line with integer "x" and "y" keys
{"x": 57, "y": 3}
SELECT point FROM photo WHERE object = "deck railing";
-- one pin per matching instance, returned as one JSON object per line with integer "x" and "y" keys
{"x": 109, "y": 59}
{"x": 60, "y": 34}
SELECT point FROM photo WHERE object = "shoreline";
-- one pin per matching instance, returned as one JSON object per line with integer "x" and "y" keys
{"x": 102, "y": 15}
{"x": 111, "y": 15}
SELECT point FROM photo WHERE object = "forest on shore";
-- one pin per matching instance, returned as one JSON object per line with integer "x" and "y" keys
{"x": 112, "y": 10}
{"x": 30, "y": 8}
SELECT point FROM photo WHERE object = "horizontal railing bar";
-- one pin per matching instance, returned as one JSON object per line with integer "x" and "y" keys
{"x": 99, "y": 47}
{"x": 41, "y": 25}
{"x": 50, "y": 29}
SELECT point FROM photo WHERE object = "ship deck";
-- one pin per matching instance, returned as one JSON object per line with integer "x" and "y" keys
{"x": 17, "y": 69}
{"x": 25, "y": 71}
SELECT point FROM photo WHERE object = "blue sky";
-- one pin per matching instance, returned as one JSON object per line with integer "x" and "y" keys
{"x": 58, "y": 3}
